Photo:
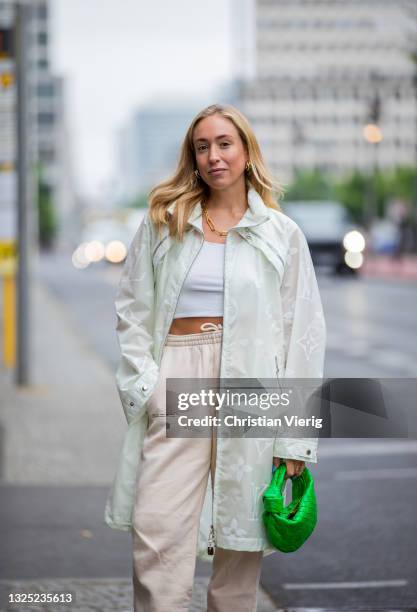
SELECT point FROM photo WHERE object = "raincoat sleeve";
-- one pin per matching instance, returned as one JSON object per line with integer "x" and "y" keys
{"x": 137, "y": 371}
{"x": 304, "y": 333}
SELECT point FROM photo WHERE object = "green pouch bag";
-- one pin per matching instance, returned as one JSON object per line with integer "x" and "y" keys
{"x": 288, "y": 527}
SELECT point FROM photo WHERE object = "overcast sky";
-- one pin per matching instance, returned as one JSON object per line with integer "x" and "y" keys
{"x": 118, "y": 54}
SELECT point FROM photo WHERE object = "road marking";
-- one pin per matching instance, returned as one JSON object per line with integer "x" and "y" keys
{"x": 368, "y": 584}
{"x": 376, "y": 474}
{"x": 359, "y": 449}
{"x": 390, "y": 358}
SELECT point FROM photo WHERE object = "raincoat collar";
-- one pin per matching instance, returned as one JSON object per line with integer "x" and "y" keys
{"x": 256, "y": 214}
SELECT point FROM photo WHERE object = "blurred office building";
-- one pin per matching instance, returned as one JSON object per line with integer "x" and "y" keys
{"x": 243, "y": 30}
{"x": 324, "y": 69}
{"x": 149, "y": 145}
{"x": 50, "y": 142}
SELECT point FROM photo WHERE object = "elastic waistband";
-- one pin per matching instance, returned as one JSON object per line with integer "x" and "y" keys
{"x": 213, "y": 337}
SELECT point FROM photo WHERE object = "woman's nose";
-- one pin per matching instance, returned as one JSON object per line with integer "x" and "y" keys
{"x": 213, "y": 153}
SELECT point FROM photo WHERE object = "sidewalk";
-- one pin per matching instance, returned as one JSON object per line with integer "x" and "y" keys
{"x": 66, "y": 427}
{"x": 64, "y": 430}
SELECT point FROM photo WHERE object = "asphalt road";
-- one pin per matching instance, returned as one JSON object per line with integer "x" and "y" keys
{"x": 364, "y": 549}
{"x": 371, "y": 324}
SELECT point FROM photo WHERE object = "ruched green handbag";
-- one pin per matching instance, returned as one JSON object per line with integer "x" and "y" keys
{"x": 288, "y": 527}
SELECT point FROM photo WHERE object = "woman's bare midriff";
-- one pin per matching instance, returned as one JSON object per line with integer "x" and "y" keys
{"x": 192, "y": 325}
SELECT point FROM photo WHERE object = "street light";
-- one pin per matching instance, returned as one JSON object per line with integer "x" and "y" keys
{"x": 372, "y": 133}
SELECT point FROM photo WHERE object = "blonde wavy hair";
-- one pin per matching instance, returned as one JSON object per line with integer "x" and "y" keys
{"x": 185, "y": 189}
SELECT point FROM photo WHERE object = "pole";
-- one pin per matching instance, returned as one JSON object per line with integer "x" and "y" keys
{"x": 23, "y": 12}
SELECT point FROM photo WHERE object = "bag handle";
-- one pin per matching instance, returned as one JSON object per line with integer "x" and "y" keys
{"x": 279, "y": 480}
{"x": 279, "y": 477}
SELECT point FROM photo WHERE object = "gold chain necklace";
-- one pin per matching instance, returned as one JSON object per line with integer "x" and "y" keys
{"x": 211, "y": 224}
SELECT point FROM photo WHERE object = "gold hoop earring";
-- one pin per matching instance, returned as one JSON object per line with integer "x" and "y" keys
{"x": 248, "y": 166}
{"x": 196, "y": 172}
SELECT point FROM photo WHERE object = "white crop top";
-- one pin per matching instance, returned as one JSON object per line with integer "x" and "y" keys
{"x": 202, "y": 292}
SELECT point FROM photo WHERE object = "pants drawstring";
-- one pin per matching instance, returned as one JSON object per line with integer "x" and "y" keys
{"x": 211, "y": 327}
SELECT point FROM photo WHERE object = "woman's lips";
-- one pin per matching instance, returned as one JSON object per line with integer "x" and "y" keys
{"x": 217, "y": 171}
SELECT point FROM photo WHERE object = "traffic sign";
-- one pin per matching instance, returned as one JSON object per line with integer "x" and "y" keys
{"x": 7, "y": 249}
{"x": 6, "y": 166}
{"x": 6, "y": 43}
{"x": 6, "y": 79}
{"x": 8, "y": 253}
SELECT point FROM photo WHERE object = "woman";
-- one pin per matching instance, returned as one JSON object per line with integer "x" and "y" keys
{"x": 217, "y": 282}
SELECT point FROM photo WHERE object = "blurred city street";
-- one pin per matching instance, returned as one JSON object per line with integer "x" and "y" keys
{"x": 96, "y": 102}
{"x": 60, "y": 438}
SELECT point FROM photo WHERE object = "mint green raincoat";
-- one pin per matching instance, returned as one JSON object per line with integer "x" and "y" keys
{"x": 272, "y": 317}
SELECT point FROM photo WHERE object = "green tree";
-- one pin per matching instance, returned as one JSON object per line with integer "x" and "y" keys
{"x": 46, "y": 212}
{"x": 310, "y": 185}
{"x": 351, "y": 191}
{"x": 401, "y": 183}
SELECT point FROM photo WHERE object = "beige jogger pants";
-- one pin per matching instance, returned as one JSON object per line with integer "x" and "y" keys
{"x": 169, "y": 500}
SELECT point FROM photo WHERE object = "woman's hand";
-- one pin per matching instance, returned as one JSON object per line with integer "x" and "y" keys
{"x": 294, "y": 466}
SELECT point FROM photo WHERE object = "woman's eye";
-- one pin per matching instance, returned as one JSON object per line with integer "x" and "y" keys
{"x": 204, "y": 147}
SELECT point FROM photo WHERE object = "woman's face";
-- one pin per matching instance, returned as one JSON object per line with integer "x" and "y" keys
{"x": 220, "y": 153}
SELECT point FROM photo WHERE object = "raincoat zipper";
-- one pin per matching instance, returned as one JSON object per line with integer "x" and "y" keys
{"x": 212, "y": 540}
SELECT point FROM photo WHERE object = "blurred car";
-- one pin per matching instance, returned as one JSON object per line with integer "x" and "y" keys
{"x": 102, "y": 241}
{"x": 333, "y": 237}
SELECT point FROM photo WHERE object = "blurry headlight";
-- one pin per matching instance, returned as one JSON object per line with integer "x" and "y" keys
{"x": 79, "y": 258}
{"x": 354, "y": 242}
{"x": 115, "y": 251}
{"x": 353, "y": 260}
{"x": 94, "y": 250}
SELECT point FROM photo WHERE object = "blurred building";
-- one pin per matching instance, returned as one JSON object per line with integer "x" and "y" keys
{"x": 149, "y": 145}
{"x": 324, "y": 69}
{"x": 53, "y": 142}
{"x": 243, "y": 25}
{"x": 49, "y": 135}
